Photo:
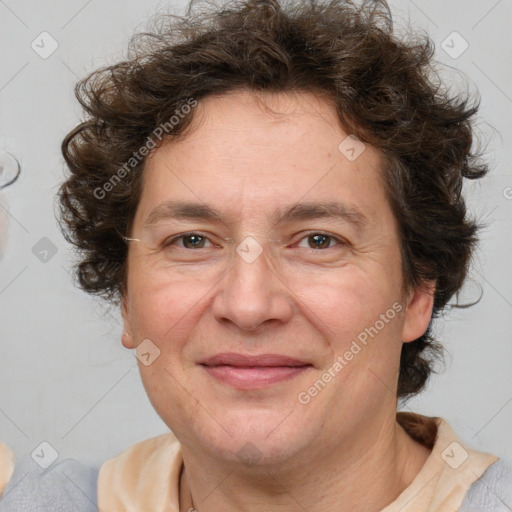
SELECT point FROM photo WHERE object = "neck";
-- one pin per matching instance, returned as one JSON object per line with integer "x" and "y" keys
{"x": 365, "y": 474}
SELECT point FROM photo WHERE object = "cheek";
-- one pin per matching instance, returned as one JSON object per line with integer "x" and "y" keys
{"x": 163, "y": 307}
{"x": 359, "y": 314}
{"x": 165, "y": 390}
{"x": 343, "y": 303}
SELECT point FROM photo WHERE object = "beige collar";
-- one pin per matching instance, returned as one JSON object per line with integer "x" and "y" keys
{"x": 6, "y": 466}
{"x": 449, "y": 471}
{"x": 147, "y": 475}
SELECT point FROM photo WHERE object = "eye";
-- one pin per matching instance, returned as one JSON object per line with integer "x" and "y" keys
{"x": 320, "y": 241}
{"x": 189, "y": 241}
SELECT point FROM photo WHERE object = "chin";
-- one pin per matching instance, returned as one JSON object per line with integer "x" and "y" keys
{"x": 254, "y": 453}
{"x": 253, "y": 438}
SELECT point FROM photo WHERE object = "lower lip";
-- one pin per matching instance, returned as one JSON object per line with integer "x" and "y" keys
{"x": 253, "y": 377}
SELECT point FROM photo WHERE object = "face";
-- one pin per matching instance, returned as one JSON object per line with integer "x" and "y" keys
{"x": 265, "y": 288}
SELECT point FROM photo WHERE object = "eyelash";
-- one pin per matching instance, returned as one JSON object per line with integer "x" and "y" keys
{"x": 172, "y": 240}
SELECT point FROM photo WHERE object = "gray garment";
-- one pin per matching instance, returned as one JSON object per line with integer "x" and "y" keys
{"x": 492, "y": 491}
{"x": 70, "y": 487}
{"x": 64, "y": 487}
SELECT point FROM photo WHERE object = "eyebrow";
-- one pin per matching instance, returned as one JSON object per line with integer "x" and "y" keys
{"x": 323, "y": 210}
{"x": 181, "y": 210}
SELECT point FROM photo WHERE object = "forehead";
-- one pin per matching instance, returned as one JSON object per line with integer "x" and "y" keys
{"x": 290, "y": 127}
{"x": 252, "y": 154}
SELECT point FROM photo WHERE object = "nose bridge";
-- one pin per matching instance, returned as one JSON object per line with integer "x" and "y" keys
{"x": 251, "y": 293}
{"x": 252, "y": 266}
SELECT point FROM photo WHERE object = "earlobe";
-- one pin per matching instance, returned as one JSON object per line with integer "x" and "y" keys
{"x": 127, "y": 337}
{"x": 418, "y": 312}
{"x": 127, "y": 340}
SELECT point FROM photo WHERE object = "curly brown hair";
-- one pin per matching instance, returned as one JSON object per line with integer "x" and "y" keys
{"x": 386, "y": 92}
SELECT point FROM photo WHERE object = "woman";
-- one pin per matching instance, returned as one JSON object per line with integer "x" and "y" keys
{"x": 273, "y": 196}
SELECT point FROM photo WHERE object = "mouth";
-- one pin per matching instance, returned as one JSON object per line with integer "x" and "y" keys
{"x": 253, "y": 372}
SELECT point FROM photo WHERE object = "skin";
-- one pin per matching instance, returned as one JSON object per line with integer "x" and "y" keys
{"x": 246, "y": 156}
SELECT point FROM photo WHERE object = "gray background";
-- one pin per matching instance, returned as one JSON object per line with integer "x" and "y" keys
{"x": 64, "y": 375}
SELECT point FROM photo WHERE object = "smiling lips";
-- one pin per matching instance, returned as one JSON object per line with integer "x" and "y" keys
{"x": 252, "y": 372}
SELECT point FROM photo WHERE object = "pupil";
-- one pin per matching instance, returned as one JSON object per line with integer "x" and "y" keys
{"x": 193, "y": 241}
{"x": 320, "y": 241}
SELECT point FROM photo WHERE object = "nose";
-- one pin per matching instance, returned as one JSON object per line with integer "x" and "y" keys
{"x": 251, "y": 294}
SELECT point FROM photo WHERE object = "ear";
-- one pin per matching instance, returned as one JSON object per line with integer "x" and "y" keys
{"x": 418, "y": 311}
{"x": 127, "y": 337}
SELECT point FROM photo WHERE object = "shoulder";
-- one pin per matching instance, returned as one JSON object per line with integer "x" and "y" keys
{"x": 492, "y": 491}
{"x": 64, "y": 487}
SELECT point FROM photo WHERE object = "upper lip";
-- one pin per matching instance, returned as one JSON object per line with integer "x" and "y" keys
{"x": 244, "y": 361}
